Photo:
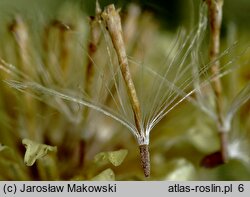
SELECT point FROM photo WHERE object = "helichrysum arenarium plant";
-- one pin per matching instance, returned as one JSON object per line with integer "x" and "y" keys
{"x": 86, "y": 82}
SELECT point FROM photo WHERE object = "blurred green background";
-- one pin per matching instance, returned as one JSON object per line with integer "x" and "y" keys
{"x": 170, "y": 12}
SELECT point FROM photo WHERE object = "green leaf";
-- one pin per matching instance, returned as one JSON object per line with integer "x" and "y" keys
{"x": 106, "y": 175}
{"x": 35, "y": 151}
{"x": 114, "y": 157}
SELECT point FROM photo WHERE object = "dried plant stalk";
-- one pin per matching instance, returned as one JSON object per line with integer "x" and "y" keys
{"x": 20, "y": 33}
{"x": 131, "y": 23}
{"x": 215, "y": 17}
{"x": 64, "y": 49}
{"x": 95, "y": 35}
{"x": 19, "y": 29}
{"x": 113, "y": 23}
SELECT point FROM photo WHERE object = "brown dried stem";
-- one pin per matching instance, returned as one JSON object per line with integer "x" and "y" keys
{"x": 113, "y": 23}
{"x": 64, "y": 49}
{"x": 20, "y": 33}
{"x": 19, "y": 30}
{"x": 131, "y": 23}
{"x": 215, "y": 17}
{"x": 95, "y": 35}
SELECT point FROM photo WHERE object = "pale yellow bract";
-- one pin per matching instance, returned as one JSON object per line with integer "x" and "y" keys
{"x": 35, "y": 151}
